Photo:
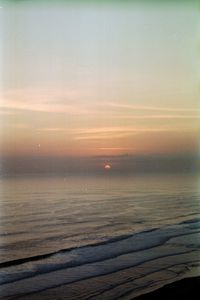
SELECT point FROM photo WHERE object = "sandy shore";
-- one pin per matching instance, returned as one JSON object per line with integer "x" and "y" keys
{"x": 185, "y": 289}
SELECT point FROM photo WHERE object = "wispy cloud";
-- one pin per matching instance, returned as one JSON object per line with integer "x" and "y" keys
{"x": 53, "y": 129}
{"x": 110, "y": 132}
{"x": 115, "y": 148}
{"x": 152, "y": 108}
{"x": 6, "y": 113}
{"x": 80, "y": 100}
{"x": 104, "y": 136}
{"x": 114, "y": 132}
{"x": 45, "y": 100}
{"x": 146, "y": 117}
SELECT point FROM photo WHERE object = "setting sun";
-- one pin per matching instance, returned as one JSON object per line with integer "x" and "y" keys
{"x": 107, "y": 167}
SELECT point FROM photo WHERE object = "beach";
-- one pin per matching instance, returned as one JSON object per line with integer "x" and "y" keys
{"x": 185, "y": 289}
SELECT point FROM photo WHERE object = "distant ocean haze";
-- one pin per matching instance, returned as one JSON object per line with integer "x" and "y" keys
{"x": 121, "y": 164}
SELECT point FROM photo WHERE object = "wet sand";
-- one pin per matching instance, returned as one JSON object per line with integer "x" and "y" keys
{"x": 185, "y": 289}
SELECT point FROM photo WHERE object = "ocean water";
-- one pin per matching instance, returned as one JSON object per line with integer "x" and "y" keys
{"x": 97, "y": 237}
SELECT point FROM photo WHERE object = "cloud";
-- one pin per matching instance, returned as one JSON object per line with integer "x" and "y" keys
{"x": 53, "y": 129}
{"x": 115, "y": 148}
{"x": 110, "y": 132}
{"x": 81, "y": 101}
{"x": 45, "y": 100}
{"x": 114, "y": 132}
{"x": 152, "y": 108}
{"x": 143, "y": 117}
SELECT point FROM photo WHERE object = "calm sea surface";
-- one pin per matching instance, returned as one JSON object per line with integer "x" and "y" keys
{"x": 97, "y": 237}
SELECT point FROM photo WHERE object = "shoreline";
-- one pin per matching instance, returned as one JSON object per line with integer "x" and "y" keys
{"x": 184, "y": 289}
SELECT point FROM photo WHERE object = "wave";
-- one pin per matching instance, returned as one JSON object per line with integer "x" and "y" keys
{"x": 196, "y": 220}
{"x": 47, "y": 255}
{"x": 123, "y": 238}
{"x": 72, "y": 265}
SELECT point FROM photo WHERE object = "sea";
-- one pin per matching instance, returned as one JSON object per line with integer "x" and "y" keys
{"x": 97, "y": 237}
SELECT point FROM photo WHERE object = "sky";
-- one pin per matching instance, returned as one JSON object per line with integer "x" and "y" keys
{"x": 85, "y": 80}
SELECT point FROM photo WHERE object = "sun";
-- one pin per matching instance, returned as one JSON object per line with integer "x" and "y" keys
{"x": 107, "y": 166}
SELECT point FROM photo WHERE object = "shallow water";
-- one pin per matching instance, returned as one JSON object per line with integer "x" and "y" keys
{"x": 96, "y": 238}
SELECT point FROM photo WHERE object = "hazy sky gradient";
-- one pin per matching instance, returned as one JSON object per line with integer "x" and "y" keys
{"x": 88, "y": 80}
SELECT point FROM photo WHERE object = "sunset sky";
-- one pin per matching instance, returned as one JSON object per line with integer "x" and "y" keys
{"x": 94, "y": 80}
